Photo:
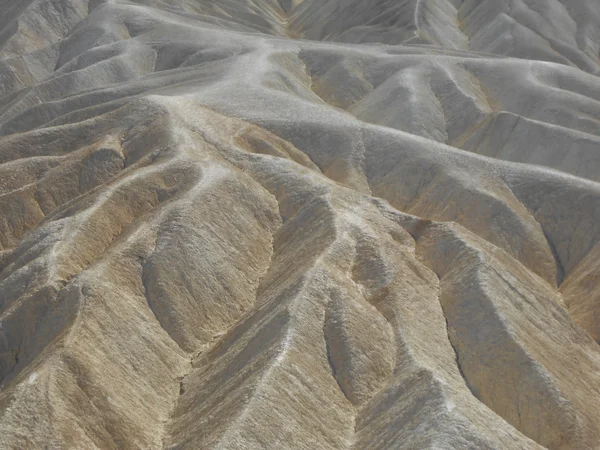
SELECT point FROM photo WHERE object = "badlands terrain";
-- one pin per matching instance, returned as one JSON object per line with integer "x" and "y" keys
{"x": 300, "y": 224}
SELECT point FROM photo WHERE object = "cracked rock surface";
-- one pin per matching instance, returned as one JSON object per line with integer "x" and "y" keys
{"x": 300, "y": 224}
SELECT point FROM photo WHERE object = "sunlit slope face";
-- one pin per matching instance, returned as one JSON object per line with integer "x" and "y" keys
{"x": 299, "y": 224}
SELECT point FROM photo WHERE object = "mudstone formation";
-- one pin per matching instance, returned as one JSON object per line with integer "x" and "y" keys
{"x": 300, "y": 224}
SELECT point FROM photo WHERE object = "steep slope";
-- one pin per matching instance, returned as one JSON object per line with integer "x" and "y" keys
{"x": 299, "y": 224}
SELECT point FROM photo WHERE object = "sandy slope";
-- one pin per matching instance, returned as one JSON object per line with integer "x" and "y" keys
{"x": 361, "y": 224}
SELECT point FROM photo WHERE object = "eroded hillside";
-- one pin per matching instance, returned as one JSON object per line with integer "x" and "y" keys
{"x": 304, "y": 224}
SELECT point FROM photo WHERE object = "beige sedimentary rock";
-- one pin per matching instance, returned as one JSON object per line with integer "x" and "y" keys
{"x": 302, "y": 224}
